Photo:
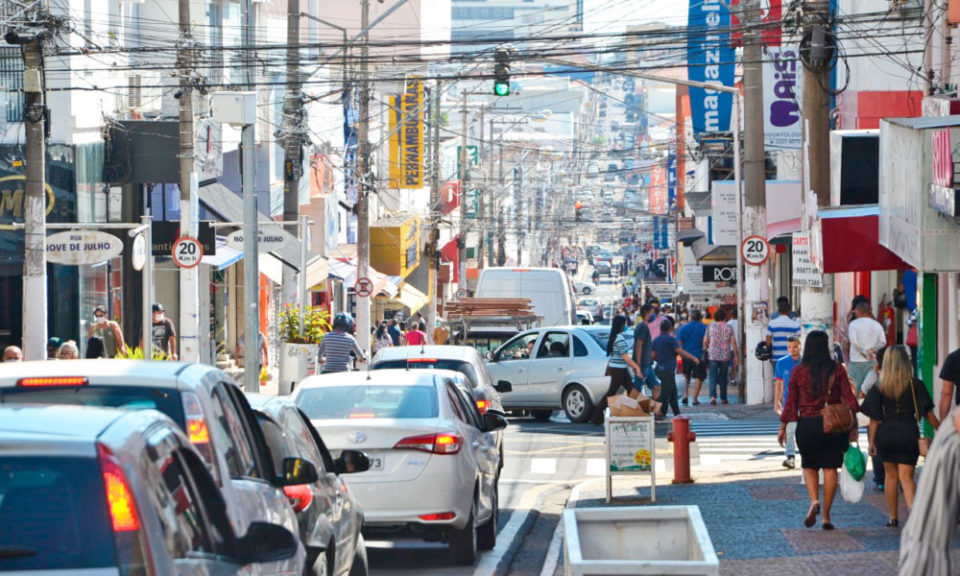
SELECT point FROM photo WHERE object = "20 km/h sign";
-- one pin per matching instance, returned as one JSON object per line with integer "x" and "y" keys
{"x": 755, "y": 250}
{"x": 187, "y": 252}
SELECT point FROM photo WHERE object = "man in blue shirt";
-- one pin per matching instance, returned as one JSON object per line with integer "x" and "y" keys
{"x": 781, "y": 378}
{"x": 781, "y": 328}
{"x": 690, "y": 336}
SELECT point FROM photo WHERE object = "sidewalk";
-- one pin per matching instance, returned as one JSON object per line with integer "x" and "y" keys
{"x": 754, "y": 513}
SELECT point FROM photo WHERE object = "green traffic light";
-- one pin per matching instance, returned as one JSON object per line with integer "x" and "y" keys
{"x": 501, "y": 88}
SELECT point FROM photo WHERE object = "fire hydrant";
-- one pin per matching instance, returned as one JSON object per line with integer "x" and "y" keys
{"x": 681, "y": 436}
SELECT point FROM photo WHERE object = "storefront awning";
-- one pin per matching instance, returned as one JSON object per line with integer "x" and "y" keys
{"x": 851, "y": 241}
{"x": 688, "y": 237}
{"x": 346, "y": 270}
{"x": 700, "y": 203}
{"x": 412, "y": 298}
{"x": 225, "y": 256}
{"x": 703, "y": 251}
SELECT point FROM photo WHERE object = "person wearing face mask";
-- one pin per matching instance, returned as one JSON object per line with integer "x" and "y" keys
{"x": 12, "y": 354}
{"x": 108, "y": 331}
{"x": 164, "y": 335}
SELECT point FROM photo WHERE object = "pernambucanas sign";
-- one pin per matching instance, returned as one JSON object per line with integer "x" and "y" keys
{"x": 406, "y": 136}
{"x": 80, "y": 247}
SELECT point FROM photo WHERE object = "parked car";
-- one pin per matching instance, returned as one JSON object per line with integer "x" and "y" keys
{"x": 584, "y": 287}
{"x": 97, "y": 491}
{"x": 329, "y": 516}
{"x": 591, "y": 305}
{"x": 560, "y": 367}
{"x": 204, "y": 402}
{"x": 434, "y": 465}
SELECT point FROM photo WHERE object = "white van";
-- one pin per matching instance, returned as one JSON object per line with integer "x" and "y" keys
{"x": 549, "y": 290}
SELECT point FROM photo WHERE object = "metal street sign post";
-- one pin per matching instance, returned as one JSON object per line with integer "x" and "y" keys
{"x": 187, "y": 252}
{"x": 363, "y": 287}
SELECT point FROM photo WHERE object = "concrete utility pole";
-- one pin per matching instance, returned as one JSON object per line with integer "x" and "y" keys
{"x": 34, "y": 206}
{"x": 292, "y": 141}
{"x": 464, "y": 198}
{"x": 434, "y": 232}
{"x": 816, "y": 304}
{"x": 189, "y": 348}
{"x": 363, "y": 173}
{"x": 756, "y": 285}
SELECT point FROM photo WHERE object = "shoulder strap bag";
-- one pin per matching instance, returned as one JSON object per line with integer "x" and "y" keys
{"x": 837, "y": 418}
{"x": 923, "y": 444}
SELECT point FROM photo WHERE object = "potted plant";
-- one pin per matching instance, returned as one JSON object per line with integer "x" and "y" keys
{"x": 298, "y": 347}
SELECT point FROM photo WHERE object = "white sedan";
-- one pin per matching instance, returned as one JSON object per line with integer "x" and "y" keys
{"x": 433, "y": 457}
{"x": 585, "y": 288}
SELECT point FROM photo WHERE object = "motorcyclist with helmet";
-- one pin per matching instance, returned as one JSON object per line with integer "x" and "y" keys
{"x": 337, "y": 347}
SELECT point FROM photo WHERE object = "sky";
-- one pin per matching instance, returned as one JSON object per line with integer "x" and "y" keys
{"x": 615, "y": 15}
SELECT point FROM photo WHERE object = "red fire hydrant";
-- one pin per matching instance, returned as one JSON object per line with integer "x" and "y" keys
{"x": 681, "y": 436}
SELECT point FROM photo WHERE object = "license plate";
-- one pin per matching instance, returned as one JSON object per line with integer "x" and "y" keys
{"x": 376, "y": 462}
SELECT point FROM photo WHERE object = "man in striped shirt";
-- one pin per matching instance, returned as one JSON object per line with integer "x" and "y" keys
{"x": 780, "y": 329}
{"x": 337, "y": 347}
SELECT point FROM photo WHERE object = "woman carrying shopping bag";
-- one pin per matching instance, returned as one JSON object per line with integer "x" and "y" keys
{"x": 820, "y": 400}
{"x": 895, "y": 407}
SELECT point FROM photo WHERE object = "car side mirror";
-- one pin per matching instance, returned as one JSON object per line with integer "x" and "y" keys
{"x": 265, "y": 542}
{"x": 494, "y": 420}
{"x": 503, "y": 386}
{"x": 297, "y": 471}
{"x": 352, "y": 461}
{"x": 490, "y": 356}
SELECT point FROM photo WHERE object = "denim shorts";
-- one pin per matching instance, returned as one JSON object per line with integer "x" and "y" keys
{"x": 650, "y": 381}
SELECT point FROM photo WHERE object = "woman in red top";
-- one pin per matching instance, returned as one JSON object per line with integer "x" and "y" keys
{"x": 806, "y": 397}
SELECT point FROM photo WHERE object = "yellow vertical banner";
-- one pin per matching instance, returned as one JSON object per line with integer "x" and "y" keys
{"x": 406, "y": 136}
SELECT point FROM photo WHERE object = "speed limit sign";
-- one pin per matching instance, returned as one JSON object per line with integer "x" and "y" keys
{"x": 755, "y": 250}
{"x": 187, "y": 252}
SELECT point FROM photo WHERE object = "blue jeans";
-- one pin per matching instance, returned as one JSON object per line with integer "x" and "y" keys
{"x": 719, "y": 374}
{"x": 858, "y": 372}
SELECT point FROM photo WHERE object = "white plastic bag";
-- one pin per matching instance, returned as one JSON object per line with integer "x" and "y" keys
{"x": 850, "y": 489}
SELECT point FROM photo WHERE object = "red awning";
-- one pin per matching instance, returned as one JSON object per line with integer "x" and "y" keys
{"x": 851, "y": 244}
{"x": 451, "y": 253}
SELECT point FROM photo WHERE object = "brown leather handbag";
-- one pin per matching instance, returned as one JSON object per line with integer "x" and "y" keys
{"x": 837, "y": 418}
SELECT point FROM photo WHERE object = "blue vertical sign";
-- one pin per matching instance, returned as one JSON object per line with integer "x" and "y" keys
{"x": 710, "y": 59}
{"x": 672, "y": 182}
{"x": 351, "y": 146}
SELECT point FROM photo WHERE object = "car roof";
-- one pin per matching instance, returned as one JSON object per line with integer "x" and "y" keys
{"x": 389, "y": 377}
{"x": 465, "y": 353}
{"x": 154, "y": 374}
{"x": 65, "y": 421}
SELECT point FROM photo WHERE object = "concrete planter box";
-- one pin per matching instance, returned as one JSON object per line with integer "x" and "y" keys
{"x": 638, "y": 540}
{"x": 297, "y": 361}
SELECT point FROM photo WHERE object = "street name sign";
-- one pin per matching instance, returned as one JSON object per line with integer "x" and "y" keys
{"x": 755, "y": 250}
{"x": 187, "y": 252}
{"x": 138, "y": 256}
{"x": 268, "y": 241}
{"x": 79, "y": 247}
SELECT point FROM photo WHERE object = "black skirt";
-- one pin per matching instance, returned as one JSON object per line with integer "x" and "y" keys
{"x": 896, "y": 441}
{"x": 819, "y": 450}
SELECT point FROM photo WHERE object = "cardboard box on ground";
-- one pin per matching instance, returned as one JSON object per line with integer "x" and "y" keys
{"x": 622, "y": 405}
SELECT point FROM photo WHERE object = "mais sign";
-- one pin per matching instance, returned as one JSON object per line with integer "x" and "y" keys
{"x": 12, "y": 191}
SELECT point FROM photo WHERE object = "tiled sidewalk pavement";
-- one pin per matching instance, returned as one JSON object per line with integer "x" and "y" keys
{"x": 757, "y": 527}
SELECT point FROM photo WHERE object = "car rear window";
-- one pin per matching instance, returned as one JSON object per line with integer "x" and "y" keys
{"x": 53, "y": 515}
{"x": 460, "y": 366}
{"x": 373, "y": 401}
{"x": 127, "y": 397}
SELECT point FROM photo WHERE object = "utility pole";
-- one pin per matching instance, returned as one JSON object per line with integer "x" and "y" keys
{"x": 189, "y": 226}
{"x": 493, "y": 200}
{"x": 481, "y": 203}
{"x": 753, "y": 389}
{"x": 816, "y": 304}
{"x": 363, "y": 171}
{"x": 434, "y": 211}
{"x": 34, "y": 204}
{"x": 292, "y": 145}
{"x": 464, "y": 197}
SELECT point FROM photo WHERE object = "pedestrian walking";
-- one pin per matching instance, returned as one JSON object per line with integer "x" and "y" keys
{"x": 339, "y": 346}
{"x": 12, "y": 354}
{"x": 109, "y": 333}
{"x": 896, "y": 405}
{"x": 780, "y": 328}
{"x": 95, "y": 348}
{"x": 665, "y": 349}
{"x": 620, "y": 367}
{"x": 950, "y": 383}
{"x": 691, "y": 336}
{"x": 381, "y": 338}
{"x": 817, "y": 381}
{"x": 68, "y": 351}
{"x": 394, "y": 330}
{"x": 642, "y": 354}
{"x": 873, "y": 377}
{"x": 781, "y": 378}
{"x": 163, "y": 333}
{"x": 866, "y": 336}
{"x": 53, "y": 344}
{"x": 416, "y": 336}
{"x": 722, "y": 352}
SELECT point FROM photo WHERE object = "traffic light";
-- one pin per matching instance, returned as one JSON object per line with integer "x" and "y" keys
{"x": 579, "y": 211}
{"x": 501, "y": 72}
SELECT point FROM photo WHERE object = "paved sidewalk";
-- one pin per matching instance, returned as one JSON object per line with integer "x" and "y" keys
{"x": 755, "y": 520}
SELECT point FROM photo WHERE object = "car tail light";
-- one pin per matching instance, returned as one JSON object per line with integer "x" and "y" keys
{"x": 432, "y": 443}
{"x": 300, "y": 496}
{"x": 483, "y": 405}
{"x": 438, "y": 516}
{"x": 361, "y": 414}
{"x": 132, "y": 548}
{"x": 424, "y": 360}
{"x": 197, "y": 430}
{"x": 59, "y": 381}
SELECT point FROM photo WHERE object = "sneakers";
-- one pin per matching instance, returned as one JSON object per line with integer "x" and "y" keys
{"x": 790, "y": 463}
